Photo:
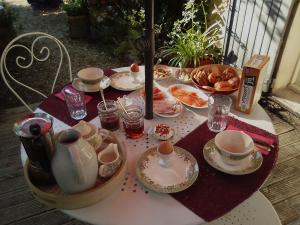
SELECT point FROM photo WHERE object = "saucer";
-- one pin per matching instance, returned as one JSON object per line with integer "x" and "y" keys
{"x": 181, "y": 174}
{"x": 80, "y": 86}
{"x": 248, "y": 165}
{"x": 125, "y": 81}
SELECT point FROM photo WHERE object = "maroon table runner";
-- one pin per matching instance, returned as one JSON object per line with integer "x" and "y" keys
{"x": 215, "y": 193}
{"x": 58, "y": 108}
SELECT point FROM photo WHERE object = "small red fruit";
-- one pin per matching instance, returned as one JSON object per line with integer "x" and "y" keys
{"x": 134, "y": 68}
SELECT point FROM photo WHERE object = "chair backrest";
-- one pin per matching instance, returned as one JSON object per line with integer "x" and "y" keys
{"x": 44, "y": 51}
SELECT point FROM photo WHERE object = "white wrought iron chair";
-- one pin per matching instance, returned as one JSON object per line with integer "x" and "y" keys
{"x": 44, "y": 51}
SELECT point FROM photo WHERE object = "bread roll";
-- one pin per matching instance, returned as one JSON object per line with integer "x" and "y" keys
{"x": 235, "y": 82}
{"x": 214, "y": 78}
{"x": 223, "y": 86}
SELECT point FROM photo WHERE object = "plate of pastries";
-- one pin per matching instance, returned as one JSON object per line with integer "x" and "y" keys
{"x": 217, "y": 78}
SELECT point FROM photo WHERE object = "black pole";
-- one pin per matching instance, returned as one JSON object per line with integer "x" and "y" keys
{"x": 148, "y": 54}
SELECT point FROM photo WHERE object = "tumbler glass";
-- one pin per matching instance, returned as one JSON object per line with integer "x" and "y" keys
{"x": 75, "y": 102}
{"x": 218, "y": 109}
{"x": 133, "y": 121}
{"x": 109, "y": 115}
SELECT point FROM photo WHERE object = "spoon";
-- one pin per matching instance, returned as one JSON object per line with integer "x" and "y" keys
{"x": 119, "y": 101}
{"x": 104, "y": 83}
{"x": 158, "y": 61}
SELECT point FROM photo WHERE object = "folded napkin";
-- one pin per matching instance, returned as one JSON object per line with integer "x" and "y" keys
{"x": 261, "y": 148}
{"x": 61, "y": 96}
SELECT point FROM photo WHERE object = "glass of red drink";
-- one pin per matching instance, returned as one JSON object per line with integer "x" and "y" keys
{"x": 109, "y": 115}
{"x": 133, "y": 121}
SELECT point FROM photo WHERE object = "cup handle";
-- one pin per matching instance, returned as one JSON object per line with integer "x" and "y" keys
{"x": 103, "y": 171}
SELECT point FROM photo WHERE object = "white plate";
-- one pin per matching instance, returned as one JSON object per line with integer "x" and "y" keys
{"x": 125, "y": 81}
{"x": 167, "y": 74}
{"x": 80, "y": 86}
{"x": 188, "y": 88}
{"x": 179, "y": 78}
{"x": 170, "y": 115}
{"x": 181, "y": 174}
{"x": 247, "y": 166}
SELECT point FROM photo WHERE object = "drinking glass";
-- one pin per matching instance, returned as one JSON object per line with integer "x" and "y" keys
{"x": 133, "y": 121}
{"x": 75, "y": 102}
{"x": 218, "y": 109}
{"x": 109, "y": 115}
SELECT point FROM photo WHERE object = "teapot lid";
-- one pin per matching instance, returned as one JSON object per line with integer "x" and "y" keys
{"x": 27, "y": 126}
{"x": 68, "y": 136}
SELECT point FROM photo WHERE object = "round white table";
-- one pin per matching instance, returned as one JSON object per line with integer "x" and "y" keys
{"x": 133, "y": 204}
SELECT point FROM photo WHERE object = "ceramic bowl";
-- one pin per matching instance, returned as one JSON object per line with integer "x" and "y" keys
{"x": 90, "y": 133}
{"x": 91, "y": 75}
{"x": 234, "y": 146}
{"x": 218, "y": 68}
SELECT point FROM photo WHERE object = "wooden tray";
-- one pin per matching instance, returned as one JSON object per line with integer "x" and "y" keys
{"x": 53, "y": 196}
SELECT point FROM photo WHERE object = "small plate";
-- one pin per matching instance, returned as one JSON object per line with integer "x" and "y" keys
{"x": 80, "y": 86}
{"x": 183, "y": 75}
{"x": 166, "y": 115}
{"x": 181, "y": 174}
{"x": 247, "y": 166}
{"x": 125, "y": 81}
{"x": 161, "y": 72}
{"x": 190, "y": 89}
{"x": 151, "y": 132}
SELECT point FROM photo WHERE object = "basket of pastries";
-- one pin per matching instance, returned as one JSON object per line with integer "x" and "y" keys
{"x": 217, "y": 78}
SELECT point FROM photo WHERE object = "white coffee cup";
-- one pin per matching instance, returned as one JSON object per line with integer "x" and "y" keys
{"x": 90, "y": 75}
{"x": 234, "y": 146}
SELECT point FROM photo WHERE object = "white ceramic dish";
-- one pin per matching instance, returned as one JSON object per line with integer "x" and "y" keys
{"x": 162, "y": 137}
{"x": 166, "y": 115}
{"x": 183, "y": 75}
{"x": 80, "y": 86}
{"x": 125, "y": 81}
{"x": 248, "y": 165}
{"x": 161, "y": 72}
{"x": 188, "y": 88}
{"x": 181, "y": 173}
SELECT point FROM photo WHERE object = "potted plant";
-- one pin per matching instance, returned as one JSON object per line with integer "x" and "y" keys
{"x": 7, "y": 31}
{"x": 192, "y": 44}
{"x": 78, "y": 20}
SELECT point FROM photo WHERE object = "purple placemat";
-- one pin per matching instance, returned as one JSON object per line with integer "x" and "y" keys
{"x": 216, "y": 193}
{"x": 57, "y": 108}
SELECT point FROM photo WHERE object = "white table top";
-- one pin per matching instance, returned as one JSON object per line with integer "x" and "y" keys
{"x": 132, "y": 203}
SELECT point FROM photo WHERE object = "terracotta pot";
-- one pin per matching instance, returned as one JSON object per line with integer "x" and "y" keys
{"x": 79, "y": 26}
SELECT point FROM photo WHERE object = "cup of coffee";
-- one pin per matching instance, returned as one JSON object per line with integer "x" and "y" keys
{"x": 234, "y": 146}
{"x": 90, "y": 76}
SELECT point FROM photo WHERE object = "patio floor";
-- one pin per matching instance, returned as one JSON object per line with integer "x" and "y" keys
{"x": 17, "y": 205}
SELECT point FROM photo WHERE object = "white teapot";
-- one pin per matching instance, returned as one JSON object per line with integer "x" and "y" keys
{"x": 74, "y": 164}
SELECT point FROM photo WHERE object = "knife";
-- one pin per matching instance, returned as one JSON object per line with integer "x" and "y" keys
{"x": 262, "y": 143}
